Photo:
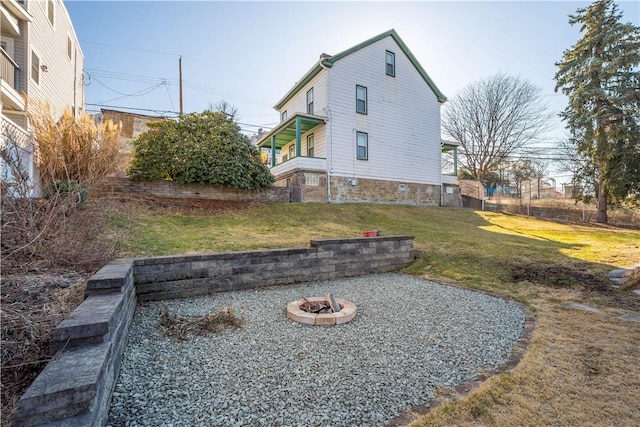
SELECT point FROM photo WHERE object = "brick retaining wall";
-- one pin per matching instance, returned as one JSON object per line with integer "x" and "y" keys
{"x": 75, "y": 387}
{"x": 194, "y": 191}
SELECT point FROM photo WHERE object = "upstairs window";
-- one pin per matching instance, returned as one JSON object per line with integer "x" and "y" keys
{"x": 292, "y": 151}
{"x": 35, "y": 67}
{"x": 310, "y": 101}
{"x": 362, "y": 142}
{"x": 361, "y": 99}
{"x": 284, "y": 115}
{"x": 50, "y": 11}
{"x": 69, "y": 47}
{"x": 391, "y": 64}
{"x": 310, "y": 145}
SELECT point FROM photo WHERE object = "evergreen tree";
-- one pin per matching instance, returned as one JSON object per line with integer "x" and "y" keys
{"x": 600, "y": 75}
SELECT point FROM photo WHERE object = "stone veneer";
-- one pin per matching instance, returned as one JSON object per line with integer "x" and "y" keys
{"x": 75, "y": 387}
{"x": 347, "y": 190}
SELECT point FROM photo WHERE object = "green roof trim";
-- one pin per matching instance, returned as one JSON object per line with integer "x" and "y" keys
{"x": 305, "y": 79}
{"x": 285, "y": 132}
{"x": 328, "y": 63}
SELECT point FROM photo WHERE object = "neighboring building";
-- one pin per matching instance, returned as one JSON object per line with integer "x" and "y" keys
{"x": 41, "y": 63}
{"x": 363, "y": 126}
{"x": 133, "y": 124}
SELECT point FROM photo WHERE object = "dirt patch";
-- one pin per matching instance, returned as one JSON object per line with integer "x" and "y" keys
{"x": 591, "y": 285}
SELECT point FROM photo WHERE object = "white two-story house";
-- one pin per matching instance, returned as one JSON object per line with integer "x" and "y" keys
{"x": 363, "y": 126}
{"x": 41, "y": 62}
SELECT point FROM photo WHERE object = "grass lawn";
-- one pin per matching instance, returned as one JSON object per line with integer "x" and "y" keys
{"x": 580, "y": 368}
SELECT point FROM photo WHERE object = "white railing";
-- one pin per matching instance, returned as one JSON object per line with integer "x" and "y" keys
{"x": 313, "y": 163}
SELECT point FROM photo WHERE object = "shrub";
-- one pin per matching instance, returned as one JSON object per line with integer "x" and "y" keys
{"x": 206, "y": 148}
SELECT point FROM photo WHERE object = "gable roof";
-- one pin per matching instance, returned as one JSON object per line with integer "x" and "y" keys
{"x": 328, "y": 61}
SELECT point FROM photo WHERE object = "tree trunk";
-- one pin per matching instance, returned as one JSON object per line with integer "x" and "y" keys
{"x": 602, "y": 202}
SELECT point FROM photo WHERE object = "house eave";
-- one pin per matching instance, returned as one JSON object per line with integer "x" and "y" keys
{"x": 317, "y": 67}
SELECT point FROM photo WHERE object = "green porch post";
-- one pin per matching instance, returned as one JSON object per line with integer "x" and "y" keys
{"x": 273, "y": 150}
{"x": 298, "y": 136}
{"x": 455, "y": 161}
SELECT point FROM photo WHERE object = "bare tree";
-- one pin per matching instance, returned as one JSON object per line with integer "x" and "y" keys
{"x": 538, "y": 171}
{"x": 226, "y": 108}
{"x": 492, "y": 119}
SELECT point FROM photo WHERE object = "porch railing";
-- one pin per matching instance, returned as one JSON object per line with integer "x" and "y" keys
{"x": 9, "y": 70}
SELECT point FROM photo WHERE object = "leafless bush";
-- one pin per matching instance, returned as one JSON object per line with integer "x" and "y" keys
{"x": 31, "y": 307}
{"x": 72, "y": 155}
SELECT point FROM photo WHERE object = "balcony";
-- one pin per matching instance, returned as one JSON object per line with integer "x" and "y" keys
{"x": 10, "y": 83}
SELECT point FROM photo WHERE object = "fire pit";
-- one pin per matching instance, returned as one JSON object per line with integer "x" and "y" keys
{"x": 324, "y": 311}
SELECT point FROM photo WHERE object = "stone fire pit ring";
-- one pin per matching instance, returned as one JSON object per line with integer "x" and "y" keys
{"x": 347, "y": 312}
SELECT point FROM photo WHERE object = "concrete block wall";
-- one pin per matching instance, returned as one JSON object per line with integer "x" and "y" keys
{"x": 185, "y": 276}
{"x": 194, "y": 191}
{"x": 75, "y": 387}
{"x": 625, "y": 277}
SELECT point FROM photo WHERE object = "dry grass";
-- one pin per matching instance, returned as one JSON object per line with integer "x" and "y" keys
{"x": 74, "y": 149}
{"x": 581, "y": 369}
{"x": 32, "y": 305}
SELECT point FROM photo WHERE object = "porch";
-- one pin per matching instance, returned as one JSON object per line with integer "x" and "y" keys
{"x": 288, "y": 131}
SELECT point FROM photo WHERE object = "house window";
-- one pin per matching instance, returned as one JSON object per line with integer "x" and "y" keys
{"x": 310, "y": 101}
{"x": 310, "y": 145}
{"x": 362, "y": 141}
{"x": 50, "y": 11}
{"x": 361, "y": 99}
{"x": 284, "y": 115}
{"x": 69, "y": 47}
{"x": 391, "y": 64}
{"x": 292, "y": 151}
{"x": 35, "y": 67}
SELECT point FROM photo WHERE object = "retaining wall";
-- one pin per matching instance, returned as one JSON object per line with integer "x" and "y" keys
{"x": 75, "y": 387}
{"x": 625, "y": 277}
{"x": 194, "y": 191}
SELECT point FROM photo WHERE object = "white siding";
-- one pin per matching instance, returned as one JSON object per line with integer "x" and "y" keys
{"x": 319, "y": 142}
{"x": 403, "y": 120}
{"x": 61, "y": 85}
{"x": 298, "y": 103}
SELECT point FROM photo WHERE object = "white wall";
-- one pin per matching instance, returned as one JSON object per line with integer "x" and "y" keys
{"x": 298, "y": 103}
{"x": 403, "y": 120}
{"x": 61, "y": 85}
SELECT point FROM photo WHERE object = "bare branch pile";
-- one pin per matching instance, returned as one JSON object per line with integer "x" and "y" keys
{"x": 179, "y": 326}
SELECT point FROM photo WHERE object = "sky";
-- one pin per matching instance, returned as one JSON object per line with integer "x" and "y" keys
{"x": 251, "y": 53}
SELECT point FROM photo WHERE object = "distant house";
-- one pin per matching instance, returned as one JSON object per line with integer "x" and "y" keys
{"x": 132, "y": 125}
{"x": 363, "y": 126}
{"x": 41, "y": 62}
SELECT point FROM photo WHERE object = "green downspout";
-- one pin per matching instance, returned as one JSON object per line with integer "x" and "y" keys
{"x": 273, "y": 150}
{"x": 298, "y": 137}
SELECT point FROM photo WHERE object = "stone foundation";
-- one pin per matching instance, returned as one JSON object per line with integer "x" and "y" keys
{"x": 305, "y": 185}
{"x": 354, "y": 190}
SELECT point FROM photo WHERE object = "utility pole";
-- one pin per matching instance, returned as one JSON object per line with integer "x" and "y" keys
{"x": 180, "y": 67}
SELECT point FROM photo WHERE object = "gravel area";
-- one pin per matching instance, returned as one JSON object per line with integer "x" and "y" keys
{"x": 409, "y": 337}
